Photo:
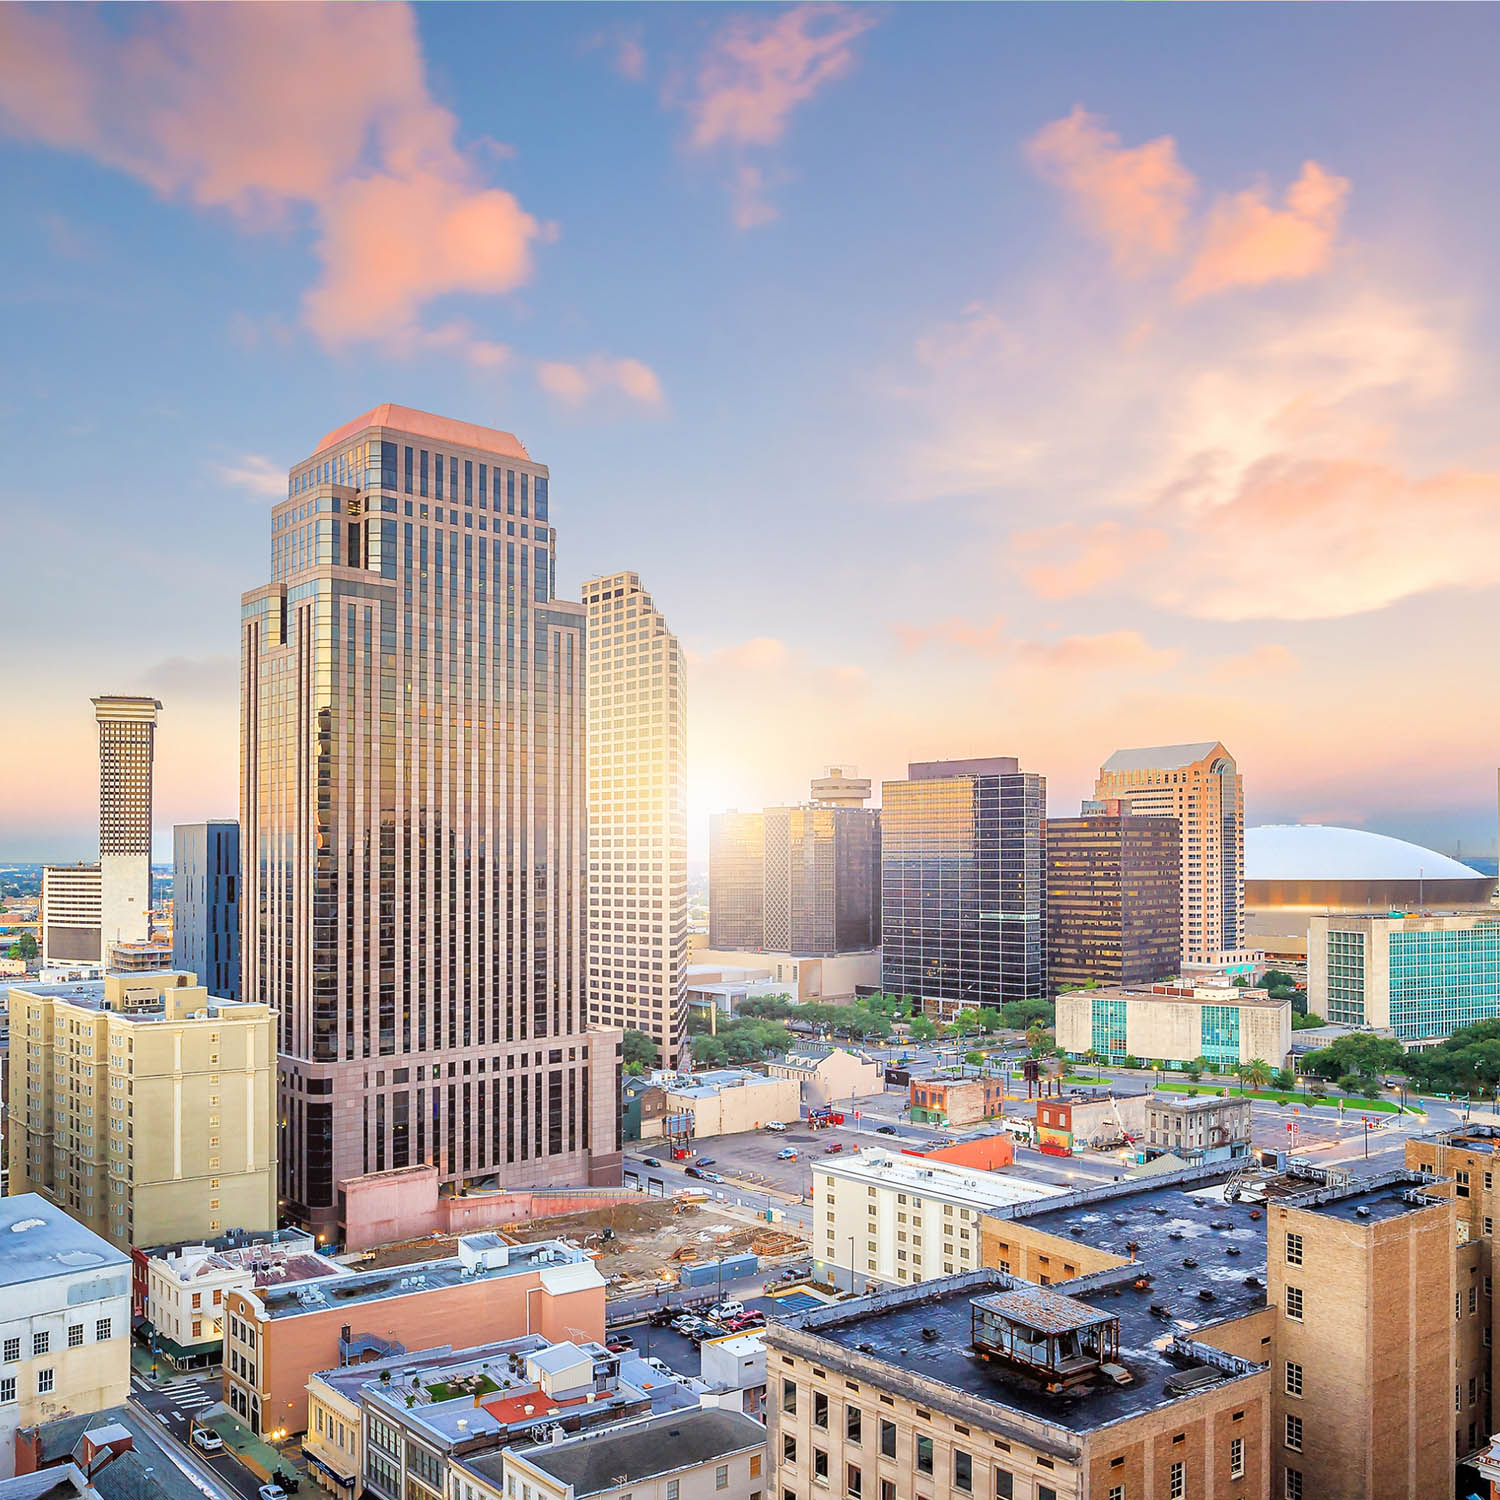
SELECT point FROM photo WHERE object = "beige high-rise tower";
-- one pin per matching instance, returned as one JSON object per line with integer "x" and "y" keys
{"x": 1201, "y": 787}
{"x": 412, "y": 825}
{"x": 637, "y": 815}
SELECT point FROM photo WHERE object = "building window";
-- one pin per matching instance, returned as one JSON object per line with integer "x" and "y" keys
{"x": 853, "y": 1423}
{"x": 963, "y": 1471}
{"x": 1177, "y": 1475}
{"x": 1294, "y": 1302}
{"x": 43, "y": 1382}
{"x": 39, "y": 1342}
{"x": 820, "y": 1410}
{"x": 1460, "y": 1184}
{"x": 721, "y": 1477}
{"x": 1294, "y": 1433}
{"x": 887, "y": 1439}
{"x": 75, "y": 1335}
{"x": 854, "y": 1481}
{"x": 102, "y": 1329}
{"x": 924, "y": 1455}
{"x": 1236, "y": 1458}
{"x": 672, "y": 1489}
{"x": 788, "y": 1448}
{"x": 1292, "y": 1489}
{"x": 820, "y": 1466}
{"x": 887, "y": 1489}
{"x": 7, "y": 1390}
{"x": 1293, "y": 1378}
{"x": 789, "y": 1397}
{"x": 1294, "y": 1249}
{"x": 12, "y": 1350}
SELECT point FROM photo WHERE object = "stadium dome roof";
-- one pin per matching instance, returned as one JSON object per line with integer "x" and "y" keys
{"x": 1313, "y": 851}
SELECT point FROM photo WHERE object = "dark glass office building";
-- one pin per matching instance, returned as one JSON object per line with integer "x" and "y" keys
{"x": 206, "y": 904}
{"x": 1114, "y": 899}
{"x": 963, "y": 884}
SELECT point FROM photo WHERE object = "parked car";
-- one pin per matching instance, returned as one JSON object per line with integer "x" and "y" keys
{"x": 206, "y": 1440}
{"x": 650, "y": 1161}
{"x": 775, "y": 1125}
{"x": 685, "y": 1322}
{"x": 722, "y": 1311}
{"x": 694, "y": 1172}
{"x": 787, "y": 1153}
{"x": 271, "y": 1492}
{"x": 618, "y": 1342}
{"x": 662, "y": 1317}
{"x": 885, "y": 1130}
{"x": 750, "y": 1318}
{"x": 833, "y": 1148}
{"x": 710, "y": 1177}
{"x": 705, "y": 1161}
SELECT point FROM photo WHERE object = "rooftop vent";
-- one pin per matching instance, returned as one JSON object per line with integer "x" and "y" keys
{"x": 1362, "y": 1211}
{"x": 1185, "y": 1382}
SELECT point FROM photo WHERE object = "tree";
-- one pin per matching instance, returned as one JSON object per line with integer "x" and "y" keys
{"x": 637, "y": 1047}
{"x": 975, "y": 1059}
{"x": 24, "y": 947}
{"x": 922, "y": 1029}
{"x": 1361, "y": 1053}
{"x": 1019, "y": 1014}
{"x": 709, "y": 1052}
{"x": 1036, "y": 1034}
{"x": 1277, "y": 979}
{"x": 1131, "y": 1060}
{"x": 989, "y": 1020}
{"x": 966, "y": 1022}
{"x": 1094, "y": 1060}
{"x": 1306, "y": 1019}
{"x": 1193, "y": 1071}
{"x": 1358, "y": 1083}
{"x": 1285, "y": 1080}
{"x": 1255, "y": 1074}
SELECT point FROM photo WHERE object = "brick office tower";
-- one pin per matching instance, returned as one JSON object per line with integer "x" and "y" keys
{"x": 413, "y": 820}
{"x": 637, "y": 815}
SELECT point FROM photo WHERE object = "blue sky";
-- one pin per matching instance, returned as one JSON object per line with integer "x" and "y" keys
{"x": 961, "y": 379}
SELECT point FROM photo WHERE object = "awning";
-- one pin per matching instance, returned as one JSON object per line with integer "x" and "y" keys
{"x": 329, "y": 1470}
{"x": 208, "y": 1349}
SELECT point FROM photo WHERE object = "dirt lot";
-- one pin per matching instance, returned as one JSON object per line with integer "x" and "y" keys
{"x": 649, "y": 1233}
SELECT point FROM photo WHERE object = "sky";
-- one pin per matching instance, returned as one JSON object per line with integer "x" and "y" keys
{"x": 961, "y": 380}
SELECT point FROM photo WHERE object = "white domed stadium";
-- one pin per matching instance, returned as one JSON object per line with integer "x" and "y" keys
{"x": 1297, "y": 870}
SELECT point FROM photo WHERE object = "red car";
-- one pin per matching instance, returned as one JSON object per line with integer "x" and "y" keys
{"x": 752, "y": 1318}
{"x": 832, "y": 1148}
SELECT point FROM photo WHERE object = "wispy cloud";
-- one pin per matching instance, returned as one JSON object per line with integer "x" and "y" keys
{"x": 755, "y": 74}
{"x": 573, "y": 383}
{"x": 257, "y": 475}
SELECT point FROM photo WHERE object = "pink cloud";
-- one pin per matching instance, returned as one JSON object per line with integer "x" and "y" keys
{"x": 1247, "y": 242}
{"x": 599, "y": 374}
{"x": 1133, "y": 198}
{"x": 1126, "y": 652}
{"x": 630, "y": 59}
{"x": 1270, "y": 659}
{"x": 255, "y": 110}
{"x": 1078, "y": 559}
{"x": 758, "y": 71}
{"x": 956, "y": 633}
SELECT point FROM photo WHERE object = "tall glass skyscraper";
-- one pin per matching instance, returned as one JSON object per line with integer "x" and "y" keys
{"x": 637, "y": 939}
{"x": 413, "y": 806}
{"x": 963, "y": 884}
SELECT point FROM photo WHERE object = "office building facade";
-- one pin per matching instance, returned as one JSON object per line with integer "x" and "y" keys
{"x": 144, "y": 1107}
{"x": 963, "y": 884}
{"x": 206, "y": 904}
{"x": 413, "y": 819}
{"x": 1420, "y": 977}
{"x": 1114, "y": 893}
{"x": 637, "y": 790}
{"x": 802, "y": 880}
{"x": 1201, "y": 787}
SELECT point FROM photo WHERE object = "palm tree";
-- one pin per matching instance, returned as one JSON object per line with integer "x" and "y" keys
{"x": 1096, "y": 1061}
{"x": 1257, "y": 1074}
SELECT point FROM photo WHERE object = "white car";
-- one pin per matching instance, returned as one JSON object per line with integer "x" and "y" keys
{"x": 206, "y": 1440}
{"x": 775, "y": 1125}
{"x": 722, "y": 1310}
{"x": 271, "y": 1492}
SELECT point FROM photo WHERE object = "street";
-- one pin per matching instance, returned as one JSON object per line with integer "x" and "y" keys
{"x": 174, "y": 1403}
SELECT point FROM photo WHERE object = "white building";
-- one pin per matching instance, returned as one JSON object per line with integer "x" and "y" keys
{"x": 726, "y": 1101}
{"x": 637, "y": 829}
{"x": 65, "y": 1319}
{"x": 736, "y": 1365}
{"x": 827, "y": 1075}
{"x": 901, "y": 1218}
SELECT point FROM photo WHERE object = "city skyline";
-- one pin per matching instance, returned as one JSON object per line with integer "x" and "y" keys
{"x": 1275, "y": 372}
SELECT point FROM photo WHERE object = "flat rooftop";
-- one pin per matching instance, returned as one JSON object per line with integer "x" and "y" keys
{"x": 1480, "y": 1138}
{"x": 38, "y": 1240}
{"x": 969, "y": 1186}
{"x": 89, "y": 994}
{"x": 560, "y": 1265}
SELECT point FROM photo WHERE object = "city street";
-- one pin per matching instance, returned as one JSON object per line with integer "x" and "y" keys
{"x": 173, "y": 1403}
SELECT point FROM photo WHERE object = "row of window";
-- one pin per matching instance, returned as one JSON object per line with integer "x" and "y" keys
{"x": 41, "y": 1343}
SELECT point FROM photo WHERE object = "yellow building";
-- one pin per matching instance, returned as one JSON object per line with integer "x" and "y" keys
{"x": 144, "y": 1106}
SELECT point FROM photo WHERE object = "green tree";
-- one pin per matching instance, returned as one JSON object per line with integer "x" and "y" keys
{"x": 989, "y": 1020}
{"x": 1019, "y": 1014}
{"x": 639, "y": 1048}
{"x": 1193, "y": 1071}
{"x": 1095, "y": 1060}
{"x": 709, "y": 1052}
{"x": 1306, "y": 1020}
{"x": 1255, "y": 1074}
{"x": 1285, "y": 1080}
{"x": 922, "y": 1029}
{"x": 24, "y": 947}
{"x": 966, "y": 1022}
{"x": 1360, "y": 1053}
{"x": 975, "y": 1059}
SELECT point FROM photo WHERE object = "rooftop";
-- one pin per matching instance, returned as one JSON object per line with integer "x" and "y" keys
{"x": 1179, "y": 994}
{"x": 560, "y": 1266}
{"x": 948, "y": 1181}
{"x": 1195, "y": 1104}
{"x": 634, "y": 1453}
{"x": 140, "y": 1003}
{"x": 146, "y": 1469}
{"x": 1479, "y": 1138}
{"x": 1316, "y": 851}
{"x": 38, "y": 1240}
{"x": 1160, "y": 757}
{"x": 425, "y": 424}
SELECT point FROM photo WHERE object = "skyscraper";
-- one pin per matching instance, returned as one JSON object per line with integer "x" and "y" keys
{"x": 802, "y": 880}
{"x": 637, "y": 717}
{"x": 1201, "y": 787}
{"x": 206, "y": 904}
{"x": 413, "y": 820}
{"x": 963, "y": 884}
{"x": 85, "y": 908}
{"x": 1114, "y": 888}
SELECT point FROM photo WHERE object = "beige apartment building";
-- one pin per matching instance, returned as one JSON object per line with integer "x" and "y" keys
{"x": 1200, "y": 786}
{"x": 144, "y": 1106}
{"x": 637, "y": 768}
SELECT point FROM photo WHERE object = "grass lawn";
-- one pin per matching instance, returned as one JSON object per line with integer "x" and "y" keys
{"x": 1284, "y": 1096}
